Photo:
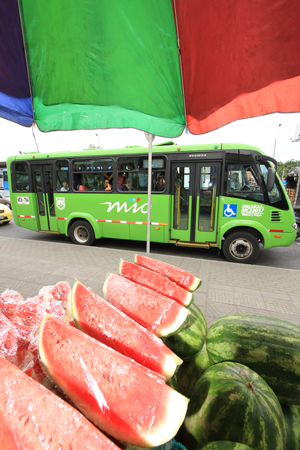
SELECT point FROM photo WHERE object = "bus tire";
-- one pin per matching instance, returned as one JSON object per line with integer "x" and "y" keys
{"x": 241, "y": 247}
{"x": 82, "y": 233}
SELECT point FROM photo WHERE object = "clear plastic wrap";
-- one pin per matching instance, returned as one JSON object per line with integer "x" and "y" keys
{"x": 20, "y": 321}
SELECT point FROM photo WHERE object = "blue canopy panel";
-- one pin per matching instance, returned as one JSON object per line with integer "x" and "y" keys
{"x": 15, "y": 100}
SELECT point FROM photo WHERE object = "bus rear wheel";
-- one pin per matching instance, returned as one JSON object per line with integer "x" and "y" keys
{"x": 241, "y": 247}
{"x": 82, "y": 233}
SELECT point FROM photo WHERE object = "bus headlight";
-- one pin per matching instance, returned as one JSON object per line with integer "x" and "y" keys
{"x": 294, "y": 225}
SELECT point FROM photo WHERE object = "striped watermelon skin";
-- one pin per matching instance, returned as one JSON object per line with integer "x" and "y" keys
{"x": 233, "y": 403}
{"x": 226, "y": 445}
{"x": 189, "y": 341}
{"x": 292, "y": 419}
{"x": 271, "y": 347}
{"x": 190, "y": 371}
{"x": 179, "y": 276}
{"x": 156, "y": 282}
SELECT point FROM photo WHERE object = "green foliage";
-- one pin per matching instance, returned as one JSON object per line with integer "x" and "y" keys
{"x": 284, "y": 167}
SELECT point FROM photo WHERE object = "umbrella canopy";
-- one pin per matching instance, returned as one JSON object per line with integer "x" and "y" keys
{"x": 157, "y": 66}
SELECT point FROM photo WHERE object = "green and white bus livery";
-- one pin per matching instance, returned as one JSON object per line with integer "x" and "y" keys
{"x": 224, "y": 195}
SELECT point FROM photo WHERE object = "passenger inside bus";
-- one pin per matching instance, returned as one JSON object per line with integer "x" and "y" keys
{"x": 234, "y": 183}
{"x": 64, "y": 187}
{"x": 126, "y": 186}
{"x": 89, "y": 181}
{"x": 107, "y": 185}
{"x": 160, "y": 182}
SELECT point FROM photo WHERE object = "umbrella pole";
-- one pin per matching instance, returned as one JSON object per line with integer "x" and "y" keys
{"x": 149, "y": 192}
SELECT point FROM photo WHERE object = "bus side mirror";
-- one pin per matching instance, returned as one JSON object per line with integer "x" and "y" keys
{"x": 270, "y": 179}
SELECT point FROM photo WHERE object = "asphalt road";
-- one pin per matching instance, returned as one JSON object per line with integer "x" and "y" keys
{"x": 283, "y": 257}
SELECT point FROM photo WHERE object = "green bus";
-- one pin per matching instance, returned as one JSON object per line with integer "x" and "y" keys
{"x": 218, "y": 195}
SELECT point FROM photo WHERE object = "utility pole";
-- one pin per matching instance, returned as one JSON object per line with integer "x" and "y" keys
{"x": 276, "y": 140}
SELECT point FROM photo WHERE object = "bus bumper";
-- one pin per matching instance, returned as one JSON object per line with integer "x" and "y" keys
{"x": 278, "y": 239}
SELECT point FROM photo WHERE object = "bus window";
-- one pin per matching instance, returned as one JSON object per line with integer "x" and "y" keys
{"x": 5, "y": 179}
{"x": 22, "y": 176}
{"x": 92, "y": 174}
{"x": 135, "y": 171}
{"x": 207, "y": 198}
{"x": 243, "y": 182}
{"x": 275, "y": 197}
{"x": 62, "y": 174}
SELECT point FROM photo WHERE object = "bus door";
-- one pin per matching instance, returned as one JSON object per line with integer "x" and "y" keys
{"x": 42, "y": 176}
{"x": 182, "y": 196}
{"x": 194, "y": 201}
{"x": 208, "y": 177}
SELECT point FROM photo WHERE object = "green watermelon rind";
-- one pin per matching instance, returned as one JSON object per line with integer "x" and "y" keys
{"x": 180, "y": 322}
{"x": 269, "y": 346}
{"x": 232, "y": 402}
{"x": 188, "y": 341}
{"x": 193, "y": 285}
{"x": 171, "y": 359}
{"x": 186, "y": 301}
{"x": 190, "y": 371}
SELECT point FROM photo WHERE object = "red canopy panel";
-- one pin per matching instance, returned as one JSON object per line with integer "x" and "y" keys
{"x": 239, "y": 59}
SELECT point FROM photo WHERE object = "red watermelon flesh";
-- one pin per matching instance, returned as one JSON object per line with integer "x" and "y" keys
{"x": 9, "y": 302}
{"x": 155, "y": 281}
{"x": 15, "y": 347}
{"x": 102, "y": 321}
{"x": 179, "y": 276}
{"x": 3, "y": 320}
{"x": 154, "y": 311}
{"x": 33, "y": 418}
{"x": 32, "y": 310}
{"x": 61, "y": 291}
{"x": 35, "y": 370}
{"x": 55, "y": 308}
{"x": 123, "y": 398}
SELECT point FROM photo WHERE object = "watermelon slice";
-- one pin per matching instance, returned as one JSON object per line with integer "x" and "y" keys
{"x": 154, "y": 311}
{"x": 33, "y": 418}
{"x": 179, "y": 276}
{"x": 102, "y": 321}
{"x": 156, "y": 282}
{"x": 123, "y": 398}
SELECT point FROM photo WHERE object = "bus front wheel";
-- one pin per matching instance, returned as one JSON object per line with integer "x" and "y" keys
{"x": 82, "y": 233}
{"x": 241, "y": 247}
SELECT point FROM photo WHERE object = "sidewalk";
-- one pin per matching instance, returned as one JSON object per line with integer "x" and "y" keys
{"x": 227, "y": 288}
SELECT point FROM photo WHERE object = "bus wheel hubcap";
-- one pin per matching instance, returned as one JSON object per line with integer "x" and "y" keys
{"x": 241, "y": 248}
{"x": 81, "y": 234}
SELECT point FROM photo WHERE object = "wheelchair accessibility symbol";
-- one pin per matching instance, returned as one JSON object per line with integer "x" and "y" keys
{"x": 229, "y": 210}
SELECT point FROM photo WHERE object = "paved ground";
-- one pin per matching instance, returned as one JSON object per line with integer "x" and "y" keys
{"x": 227, "y": 288}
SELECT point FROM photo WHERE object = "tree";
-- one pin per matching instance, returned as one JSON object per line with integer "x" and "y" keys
{"x": 283, "y": 168}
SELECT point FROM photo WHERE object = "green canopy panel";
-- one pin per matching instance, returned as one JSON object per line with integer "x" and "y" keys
{"x": 99, "y": 64}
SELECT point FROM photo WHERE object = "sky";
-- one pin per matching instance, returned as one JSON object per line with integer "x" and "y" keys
{"x": 273, "y": 131}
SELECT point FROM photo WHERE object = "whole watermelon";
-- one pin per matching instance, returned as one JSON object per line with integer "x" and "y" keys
{"x": 292, "y": 419}
{"x": 231, "y": 402}
{"x": 226, "y": 445}
{"x": 189, "y": 341}
{"x": 190, "y": 371}
{"x": 270, "y": 347}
